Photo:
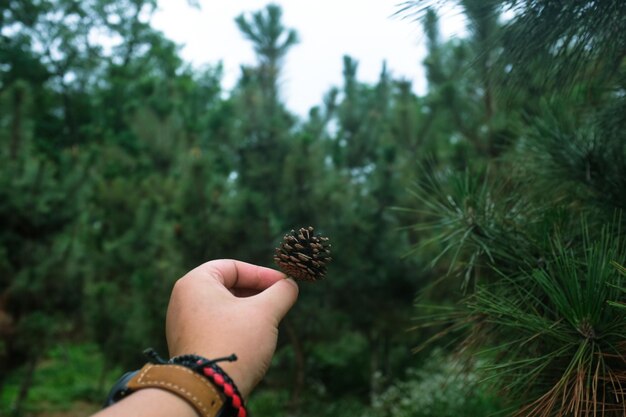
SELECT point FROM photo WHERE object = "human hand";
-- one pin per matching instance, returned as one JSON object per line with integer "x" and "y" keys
{"x": 227, "y": 306}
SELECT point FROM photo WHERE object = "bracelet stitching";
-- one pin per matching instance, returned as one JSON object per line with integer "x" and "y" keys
{"x": 144, "y": 379}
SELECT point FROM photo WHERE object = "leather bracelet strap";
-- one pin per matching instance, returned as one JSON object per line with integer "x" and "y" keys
{"x": 182, "y": 381}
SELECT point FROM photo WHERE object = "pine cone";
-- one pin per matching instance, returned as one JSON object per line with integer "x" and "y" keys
{"x": 303, "y": 255}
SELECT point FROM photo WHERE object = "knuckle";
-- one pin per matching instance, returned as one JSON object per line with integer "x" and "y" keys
{"x": 182, "y": 284}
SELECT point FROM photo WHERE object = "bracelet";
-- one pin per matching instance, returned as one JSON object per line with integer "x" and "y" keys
{"x": 211, "y": 370}
{"x": 197, "y": 380}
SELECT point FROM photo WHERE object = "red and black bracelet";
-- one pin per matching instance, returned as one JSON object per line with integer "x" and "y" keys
{"x": 226, "y": 384}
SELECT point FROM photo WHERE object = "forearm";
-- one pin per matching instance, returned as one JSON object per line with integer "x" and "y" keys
{"x": 149, "y": 402}
{"x": 246, "y": 326}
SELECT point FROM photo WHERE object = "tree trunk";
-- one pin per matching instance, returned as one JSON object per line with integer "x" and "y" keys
{"x": 375, "y": 376}
{"x": 27, "y": 383}
{"x": 16, "y": 122}
{"x": 2, "y": 378}
{"x": 300, "y": 371}
{"x": 103, "y": 374}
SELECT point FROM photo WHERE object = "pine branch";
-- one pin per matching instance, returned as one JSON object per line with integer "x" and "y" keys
{"x": 567, "y": 358}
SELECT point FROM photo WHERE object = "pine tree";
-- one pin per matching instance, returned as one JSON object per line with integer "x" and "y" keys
{"x": 537, "y": 239}
{"x": 40, "y": 196}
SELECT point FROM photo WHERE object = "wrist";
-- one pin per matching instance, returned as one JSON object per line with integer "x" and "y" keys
{"x": 235, "y": 372}
{"x": 150, "y": 402}
{"x": 235, "y": 369}
{"x": 203, "y": 384}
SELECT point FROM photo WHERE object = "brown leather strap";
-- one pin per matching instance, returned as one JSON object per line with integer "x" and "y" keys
{"x": 182, "y": 381}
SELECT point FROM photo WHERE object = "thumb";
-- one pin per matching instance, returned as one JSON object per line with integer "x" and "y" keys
{"x": 279, "y": 298}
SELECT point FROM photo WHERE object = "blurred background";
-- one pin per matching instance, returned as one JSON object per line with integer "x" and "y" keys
{"x": 466, "y": 158}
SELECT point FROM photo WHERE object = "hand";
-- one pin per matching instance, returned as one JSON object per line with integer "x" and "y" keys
{"x": 226, "y": 306}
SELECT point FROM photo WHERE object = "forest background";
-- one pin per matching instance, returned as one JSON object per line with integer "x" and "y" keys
{"x": 476, "y": 229}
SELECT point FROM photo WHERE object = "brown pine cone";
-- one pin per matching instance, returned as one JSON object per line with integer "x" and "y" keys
{"x": 303, "y": 255}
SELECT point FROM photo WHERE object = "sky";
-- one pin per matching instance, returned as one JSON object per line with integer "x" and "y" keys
{"x": 368, "y": 30}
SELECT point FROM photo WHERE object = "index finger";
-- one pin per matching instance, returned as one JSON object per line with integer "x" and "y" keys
{"x": 241, "y": 275}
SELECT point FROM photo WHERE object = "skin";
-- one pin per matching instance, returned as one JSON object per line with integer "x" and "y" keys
{"x": 221, "y": 307}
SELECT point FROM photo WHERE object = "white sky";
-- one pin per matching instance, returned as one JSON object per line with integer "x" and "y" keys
{"x": 363, "y": 29}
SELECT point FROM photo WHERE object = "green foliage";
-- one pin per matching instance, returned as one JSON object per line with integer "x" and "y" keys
{"x": 554, "y": 326}
{"x": 143, "y": 168}
{"x": 68, "y": 373}
{"x": 443, "y": 387}
{"x": 540, "y": 308}
{"x": 473, "y": 220}
{"x": 271, "y": 39}
{"x": 588, "y": 38}
{"x": 578, "y": 152}
{"x": 39, "y": 202}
